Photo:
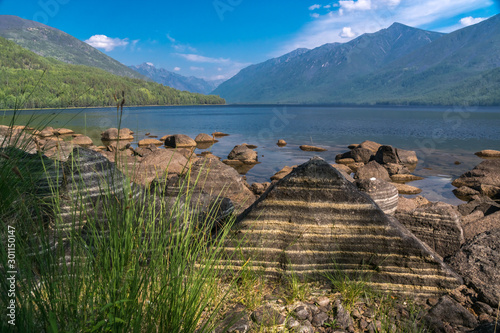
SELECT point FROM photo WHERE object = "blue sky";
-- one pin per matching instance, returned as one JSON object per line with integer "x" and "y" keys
{"x": 216, "y": 38}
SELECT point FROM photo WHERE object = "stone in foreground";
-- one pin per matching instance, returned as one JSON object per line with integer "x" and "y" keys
{"x": 437, "y": 224}
{"x": 314, "y": 222}
{"x": 478, "y": 261}
{"x": 383, "y": 193}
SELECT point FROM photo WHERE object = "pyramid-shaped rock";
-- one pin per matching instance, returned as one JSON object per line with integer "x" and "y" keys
{"x": 314, "y": 222}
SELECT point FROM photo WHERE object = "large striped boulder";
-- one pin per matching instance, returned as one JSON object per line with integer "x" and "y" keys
{"x": 314, "y": 222}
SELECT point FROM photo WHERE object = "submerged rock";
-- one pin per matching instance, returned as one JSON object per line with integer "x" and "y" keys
{"x": 314, "y": 221}
{"x": 312, "y": 148}
{"x": 488, "y": 153}
{"x": 281, "y": 143}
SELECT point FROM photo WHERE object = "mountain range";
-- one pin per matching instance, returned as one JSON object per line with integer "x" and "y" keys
{"x": 397, "y": 65}
{"x": 174, "y": 80}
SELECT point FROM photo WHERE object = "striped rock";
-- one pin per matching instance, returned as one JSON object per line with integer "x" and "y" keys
{"x": 314, "y": 222}
{"x": 437, "y": 224}
{"x": 90, "y": 180}
{"x": 383, "y": 193}
{"x": 215, "y": 178}
{"x": 35, "y": 173}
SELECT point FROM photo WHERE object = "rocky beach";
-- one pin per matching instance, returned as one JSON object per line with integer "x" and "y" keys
{"x": 308, "y": 221}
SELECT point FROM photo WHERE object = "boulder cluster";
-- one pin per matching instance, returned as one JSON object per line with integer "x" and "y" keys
{"x": 307, "y": 222}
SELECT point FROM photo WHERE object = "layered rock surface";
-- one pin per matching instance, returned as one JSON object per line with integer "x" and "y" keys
{"x": 478, "y": 261}
{"x": 438, "y": 224}
{"x": 314, "y": 221}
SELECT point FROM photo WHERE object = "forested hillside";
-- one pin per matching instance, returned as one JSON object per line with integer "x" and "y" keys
{"x": 31, "y": 81}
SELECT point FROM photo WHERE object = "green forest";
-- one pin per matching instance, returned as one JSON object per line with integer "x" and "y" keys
{"x": 31, "y": 81}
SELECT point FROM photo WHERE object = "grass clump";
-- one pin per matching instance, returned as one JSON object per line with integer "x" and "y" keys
{"x": 125, "y": 260}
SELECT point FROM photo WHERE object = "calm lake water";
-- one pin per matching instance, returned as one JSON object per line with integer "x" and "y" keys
{"x": 440, "y": 136}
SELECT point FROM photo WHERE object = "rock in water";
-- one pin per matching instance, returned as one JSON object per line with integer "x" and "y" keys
{"x": 484, "y": 178}
{"x": 203, "y": 137}
{"x": 488, "y": 153}
{"x": 179, "y": 141}
{"x": 113, "y": 134}
{"x": 383, "y": 193}
{"x": 437, "y": 224}
{"x": 311, "y": 148}
{"x": 314, "y": 221}
{"x": 243, "y": 153}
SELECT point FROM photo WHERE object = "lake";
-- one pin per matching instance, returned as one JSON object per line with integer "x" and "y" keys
{"x": 440, "y": 136}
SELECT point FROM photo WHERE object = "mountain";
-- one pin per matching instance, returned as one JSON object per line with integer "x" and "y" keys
{"x": 53, "y": 43}
{"x": 462, "y": 67}
{"x": 28, "y": 80}
{"x": 304, "y": 76}
{"x": 174, "y": 80}
{"x": 397, "y": 65}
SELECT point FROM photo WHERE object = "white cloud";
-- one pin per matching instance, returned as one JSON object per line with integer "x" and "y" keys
{"x": 368, "y": 16}
{"x": 194, "y": 68}
{"x": 347, "y": 33}
{"x": 177, "y": 69}
{"x": 351, "y": 5}
{"x": 327, "y": 6}
{"x": 315, "y": 15}
{"x": 218, "y": 77}
{"x": 106, "y": 43}
{"x": 313, "y": 7}
{"x": 170, "y": 38}
{"x": 199, "y": 58}
{"x": 469, "y": 20}
{"x": 179, "y": 46}
{"x": 150, "y": 64}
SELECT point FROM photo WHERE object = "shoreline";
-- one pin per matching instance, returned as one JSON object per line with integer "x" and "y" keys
{"x": 470, "y": 108}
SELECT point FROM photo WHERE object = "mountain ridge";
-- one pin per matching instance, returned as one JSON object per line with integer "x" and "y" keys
{"x": 174, "y": 80}
{"x": 324, "y": 65}
{"x": 396, "y": 65}
{"x": 50, "y": 42}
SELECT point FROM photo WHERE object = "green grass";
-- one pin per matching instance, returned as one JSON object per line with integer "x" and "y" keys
{"x": 138, "y": 264}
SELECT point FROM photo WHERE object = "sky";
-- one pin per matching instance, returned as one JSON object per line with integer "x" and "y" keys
{"x": 214, "y": 39}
